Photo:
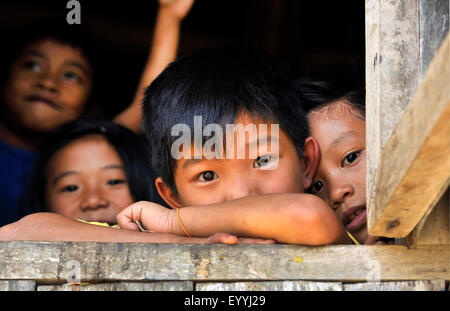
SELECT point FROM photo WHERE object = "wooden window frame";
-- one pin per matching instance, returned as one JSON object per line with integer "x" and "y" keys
{"x": 407, "y": 65}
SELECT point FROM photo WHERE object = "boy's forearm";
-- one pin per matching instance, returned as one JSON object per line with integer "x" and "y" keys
{"x": 55, "y": 227}
{"x": 286, "y": 218}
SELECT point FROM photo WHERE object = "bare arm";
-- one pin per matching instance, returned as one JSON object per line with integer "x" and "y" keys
{"x": 163, "y": 51}
{"x": 55, "y": 227}
{"x": 286, "y": 218}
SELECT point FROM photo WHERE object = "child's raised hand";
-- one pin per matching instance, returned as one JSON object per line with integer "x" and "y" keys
{"x": 178, "y": 8}
{"x": 152, "y": 216}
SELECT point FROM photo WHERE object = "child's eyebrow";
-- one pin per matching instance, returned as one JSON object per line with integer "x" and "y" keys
{"x": 344, "y": 136}
{"x": 34, "y": 53}
{"x": 113, "y": 166}
{"x": 62, "y": 175}
{"x": 191, "y": 162}
{"x": 254, "y": 143}
{"x": 78, "y": 65}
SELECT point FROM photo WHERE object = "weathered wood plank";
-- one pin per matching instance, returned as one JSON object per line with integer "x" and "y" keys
{"x": 433, "y": 229}
{"x": 54, "y": 262}
{"x": 392, "y": 73}
{"x": 123, "y": 286}
{"x": 270, "y": 286}
{"x": 17, "y": 285}
{"x": 430, "y": 285}
{"x": 414, "y": 165}
{"x": 434, "y": 25}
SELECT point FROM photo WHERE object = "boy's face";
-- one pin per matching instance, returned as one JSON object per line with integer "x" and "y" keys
{"x": 340, "y": 179}
{"x": 48, "y": 86}
{"x": 204, "y": 182}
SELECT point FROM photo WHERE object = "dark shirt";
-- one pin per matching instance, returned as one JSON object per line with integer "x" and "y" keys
{"x": 15, "y": 166}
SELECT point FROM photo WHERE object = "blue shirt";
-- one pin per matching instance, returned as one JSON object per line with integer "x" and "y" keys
{"x": 15, "y": 166}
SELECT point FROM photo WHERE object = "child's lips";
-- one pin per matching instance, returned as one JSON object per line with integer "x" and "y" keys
{"x": 42, "y": 100}
{"x": 355, "y": 218}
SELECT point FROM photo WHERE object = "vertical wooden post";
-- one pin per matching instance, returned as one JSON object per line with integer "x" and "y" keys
{"x": 392, "y": 74}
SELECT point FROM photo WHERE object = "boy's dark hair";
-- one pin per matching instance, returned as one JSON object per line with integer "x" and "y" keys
{"x": 132, "y": 149}
{"x": 58, "y": 30}
{"x": 316, "y": 95}
{"x": 218, "y": 83}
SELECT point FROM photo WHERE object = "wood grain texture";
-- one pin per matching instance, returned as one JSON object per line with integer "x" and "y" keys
{"x": 434, "y": 24}
{"x": 431, "y": 285}
{"x": 52, "y": 262}
{"x": 392, "y": 73}
{"x": 17, "y": 285}
{"x": 122, "y": 286}
{"x": 270, "y": 286}
{"x": 434, "y": 229}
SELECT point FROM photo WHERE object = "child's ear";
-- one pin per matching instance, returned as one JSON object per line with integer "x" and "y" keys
{"x": 311, "y": 158}
{"x": 167, "y": 194}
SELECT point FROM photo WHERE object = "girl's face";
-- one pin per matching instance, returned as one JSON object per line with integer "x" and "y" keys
{"x": 341, "y": 176}
{"x": 86, "y": 180}
{"x": 48, "y": 86}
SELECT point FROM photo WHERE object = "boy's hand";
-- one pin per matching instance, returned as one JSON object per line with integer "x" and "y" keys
{"x": 152, "y": 216}
{"x": 226, "y": 238}
{"x": 177, "y": 8}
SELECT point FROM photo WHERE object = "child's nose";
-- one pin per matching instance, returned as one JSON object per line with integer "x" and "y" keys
{"x": 48, "y": 82}
{"x": 94, "y": 199}
{"x": 339, "y": 193}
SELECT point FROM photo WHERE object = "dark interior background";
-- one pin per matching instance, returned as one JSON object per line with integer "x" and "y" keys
{"x": 322, "y": 39}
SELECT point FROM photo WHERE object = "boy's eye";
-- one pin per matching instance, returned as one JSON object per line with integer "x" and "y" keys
{"x": 69, "y": 188}
{"x": 113, "y": 182}
{"x": 350, "y": 158}
{"x": 72, "y": 76}
{"x": 207, "y": 176}
{"x": 316, "y": 187}
{"x": 264, "y": 162}
{"x": 33, "y": 66}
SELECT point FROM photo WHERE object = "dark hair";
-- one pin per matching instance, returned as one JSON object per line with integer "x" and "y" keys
{"x": 132, "y": 149}
{"x": 316, "y": 95}
{"x": 58, "y": 30}
{"x": 218, "y": 83}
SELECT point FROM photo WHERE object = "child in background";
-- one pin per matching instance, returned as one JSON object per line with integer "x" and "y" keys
{"x": 242, "y": 197}
{"x": 90, "y": 170}
{"x": 50, "y": 81}
{"x": 337, "y": 122}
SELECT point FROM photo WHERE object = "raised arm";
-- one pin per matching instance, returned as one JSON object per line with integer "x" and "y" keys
{"x": 286, "y": 218}
{"x": 163, "y": 51}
